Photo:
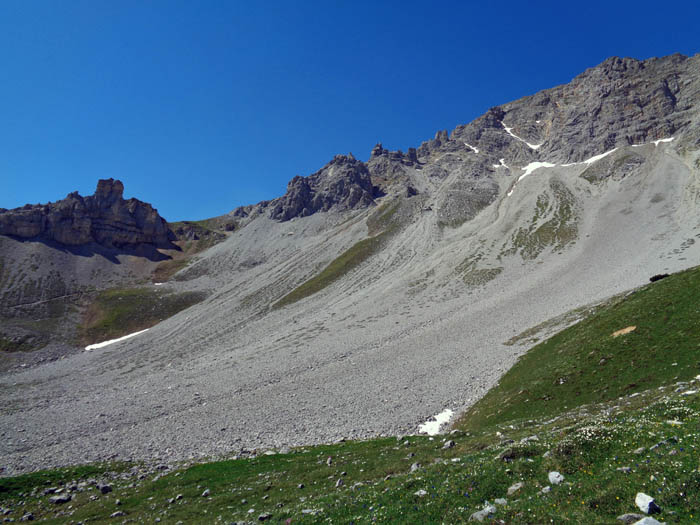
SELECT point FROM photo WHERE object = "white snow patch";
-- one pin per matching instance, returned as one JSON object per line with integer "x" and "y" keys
{"x": 656, "y": 142}
{"x": 538, "y": 121}
{"x": 475, "y": 150}
{"x": 112, "y": 341}
{"x": 596, "y": 158}
{"x": 533, "y": 166}
{"x": 570, "y": 164}
{"x": 158, "y": 284}
{"x": 432, "y": 426}
{"x": 510, "y": 132}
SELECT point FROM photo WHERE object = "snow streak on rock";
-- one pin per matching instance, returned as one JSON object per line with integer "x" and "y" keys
{"x": 112, "y": 341}
{"x": 510, "y": 132}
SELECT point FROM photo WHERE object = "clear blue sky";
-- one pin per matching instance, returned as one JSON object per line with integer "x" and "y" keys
{"x": 201, "y": 106}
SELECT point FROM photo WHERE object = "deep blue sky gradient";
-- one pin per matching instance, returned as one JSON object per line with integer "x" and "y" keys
{"x": 201, "y": 106}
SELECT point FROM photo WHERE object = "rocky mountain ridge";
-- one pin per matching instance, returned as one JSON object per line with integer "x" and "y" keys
{"x": 620, "y": 102}
{"x": 104, "y": 218}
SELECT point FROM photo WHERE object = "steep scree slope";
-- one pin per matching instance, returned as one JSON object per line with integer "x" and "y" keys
{"x": 539, "y": 206}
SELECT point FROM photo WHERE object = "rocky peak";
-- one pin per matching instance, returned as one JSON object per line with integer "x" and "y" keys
{"x": 344, "y": 183}
{"x": 104, "y": 218}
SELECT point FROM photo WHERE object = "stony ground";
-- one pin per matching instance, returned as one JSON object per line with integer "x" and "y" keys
{"x": 415, "y": 329}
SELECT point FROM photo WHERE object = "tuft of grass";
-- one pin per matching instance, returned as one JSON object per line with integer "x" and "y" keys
{"x": 586, "y": 364}
{"x": 384, "y": 221}
{"x": 117, "y": 312}
{"x": 340, "y": 266}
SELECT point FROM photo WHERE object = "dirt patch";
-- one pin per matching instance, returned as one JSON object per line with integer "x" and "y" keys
{"x": 624, "y": 331}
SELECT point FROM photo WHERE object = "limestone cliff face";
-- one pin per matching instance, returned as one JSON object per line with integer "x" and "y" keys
{"x": 105, "y": 218}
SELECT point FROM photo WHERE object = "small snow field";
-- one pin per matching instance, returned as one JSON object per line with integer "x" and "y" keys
{"x": 433, "y": 425}
{"x": 112, "y": 341}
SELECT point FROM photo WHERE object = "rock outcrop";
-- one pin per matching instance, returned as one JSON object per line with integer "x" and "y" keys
{"x": 104, "y": 218}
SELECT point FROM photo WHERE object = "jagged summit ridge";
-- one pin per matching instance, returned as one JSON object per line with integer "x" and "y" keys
{"x": 620, "y": 102}
{"x": 105, "y": 218}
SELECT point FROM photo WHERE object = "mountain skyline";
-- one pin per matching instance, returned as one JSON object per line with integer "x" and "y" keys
{"x": 243, "y": 99}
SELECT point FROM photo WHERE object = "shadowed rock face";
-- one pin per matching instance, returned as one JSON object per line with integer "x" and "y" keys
{"x": 104, "y": 218}
{"x": 342, "y": 184}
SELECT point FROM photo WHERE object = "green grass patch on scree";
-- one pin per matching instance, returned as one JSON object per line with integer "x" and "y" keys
{"x": 119, "y": 312}
{"x": 586, "y": 364}
{"x": 381, "y": 220}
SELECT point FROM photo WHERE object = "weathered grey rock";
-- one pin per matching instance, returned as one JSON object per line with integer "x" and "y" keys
{"x": 639, "y": 450}
{"x": 515, "y": 488}
{"x": 104, "y": 218}
{"x": 648, "y": 520}
{"x": 420, "y": 493}
{"x": 481, "y": 515}
{"x": 555, "y": 478}
{"x": 646, "y": 503}
{"x": 415, "y": 466}
{"x": 630, "y": 517}
{"x": 500, "y": 501}
{"x": 60, "y": 499}
{"x": 206, "y": 493}
{"x": 342, "y": 184}
{"x": 104, "y": 488}
{"x": 339, "y": 483}
{"x": 626, "y": 470}
{"x": 117, "y": 514}
{"x": 264, "y": 517}
{"x": 448, "y": 444}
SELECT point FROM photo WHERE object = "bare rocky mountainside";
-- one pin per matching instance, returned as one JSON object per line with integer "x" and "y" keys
{"x": 368, "y": 298}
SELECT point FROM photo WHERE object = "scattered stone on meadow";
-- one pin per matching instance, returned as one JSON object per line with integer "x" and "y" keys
{"x": 339, "y": 483}
{"x": 171, "y": 500}
{"x": 420, "y": 493}
{"x": 388, "y": 477}
{"x": 546, "y": 489}
{"x": 626, "y": 470}
{"x": 300, "y": 486}
{"x": 415, "y": 466}
{"x": 329, "y": 461}
{"x": 104, "y": 488}
{"x": 118, "y": 502}
{"x": 547, "y": 454}
{"x": 60, "y": 499}
{"x": 448, "y": 444}
{"x": 264, "y": 517}
{"x": 555, "y": 477}
{"x": 501, "y": 501}
{"x": 482, "y": 514}
{"x": 357, "y": 485}
{"x": 646, "y": 503}
{"x": 630, "y": 517}
{"x": 648, "y": 521}
{"x": 178, "y": 497}
{"x": 206, "y": 493}
{"x": 50, "y": 490}
{"x": 515, "y": 488}
{"x": 529, "y": 438}
{"x": 639, "y": 450}
{"x": 117, "y": 514}
{"x": 27, "y": 517}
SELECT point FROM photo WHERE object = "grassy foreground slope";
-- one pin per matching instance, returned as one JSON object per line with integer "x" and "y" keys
{"x": 626, "y": 430}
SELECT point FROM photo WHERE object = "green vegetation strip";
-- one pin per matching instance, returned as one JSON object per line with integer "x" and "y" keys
{"x": 119, "y": 312}
{"x": 382, "y": 220}
{"x": 586, "y": 364}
